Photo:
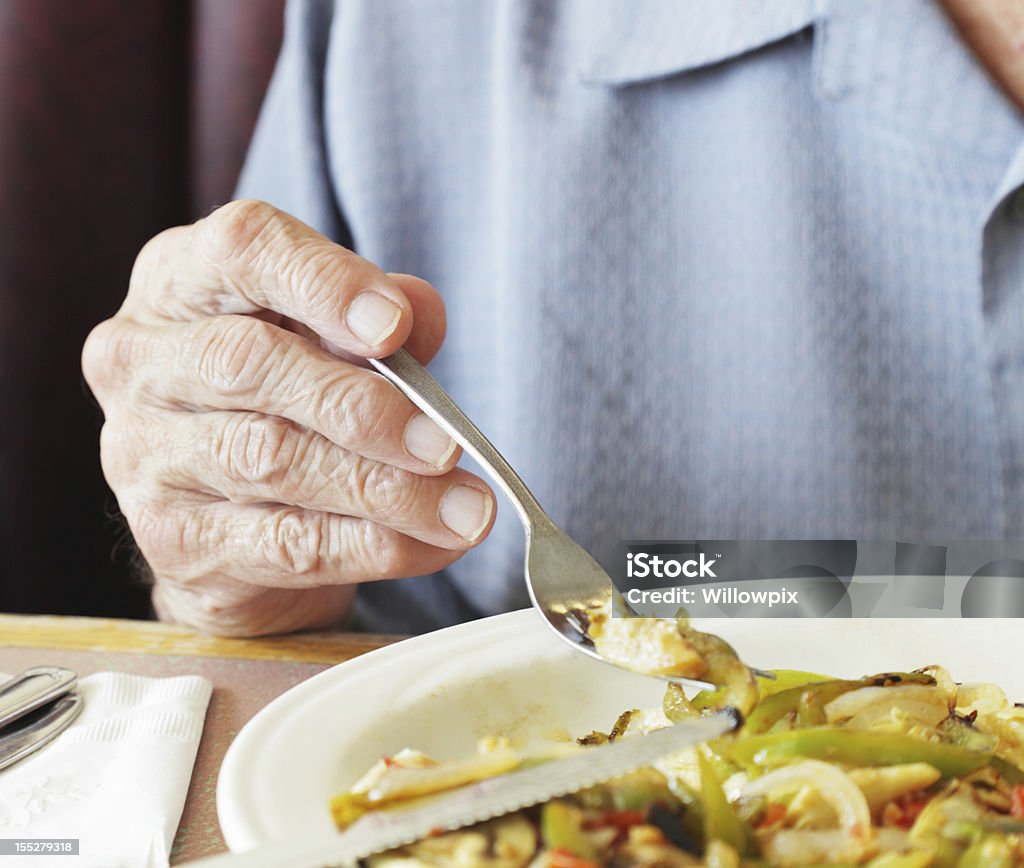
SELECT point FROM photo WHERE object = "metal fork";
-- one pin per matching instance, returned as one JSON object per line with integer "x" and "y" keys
{"x": 563, "y": 580}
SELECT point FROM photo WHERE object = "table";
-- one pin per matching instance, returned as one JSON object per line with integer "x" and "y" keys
{"x": 246, "y": 675}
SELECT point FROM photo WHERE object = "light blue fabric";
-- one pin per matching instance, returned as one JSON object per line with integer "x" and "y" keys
{"x": 713, "y": 269}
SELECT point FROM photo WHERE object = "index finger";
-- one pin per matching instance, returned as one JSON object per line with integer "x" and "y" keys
{"x": 248, "y": 257}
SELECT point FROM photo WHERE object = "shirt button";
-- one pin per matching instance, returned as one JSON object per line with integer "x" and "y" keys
{"x": 1016, "y": 205}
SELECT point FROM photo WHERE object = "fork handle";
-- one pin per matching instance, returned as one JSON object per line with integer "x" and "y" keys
{"x": 426, "y": 393}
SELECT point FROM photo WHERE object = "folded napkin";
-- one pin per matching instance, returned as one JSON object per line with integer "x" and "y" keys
{"x": 116, "y": 779}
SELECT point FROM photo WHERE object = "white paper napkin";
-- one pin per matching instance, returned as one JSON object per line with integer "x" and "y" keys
{"x": 116, "y": 779}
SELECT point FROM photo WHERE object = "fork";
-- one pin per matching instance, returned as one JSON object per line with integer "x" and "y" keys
{"x": 562, "y": 578}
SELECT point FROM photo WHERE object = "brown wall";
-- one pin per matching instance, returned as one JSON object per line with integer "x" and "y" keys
{"x": 117, "y": 119}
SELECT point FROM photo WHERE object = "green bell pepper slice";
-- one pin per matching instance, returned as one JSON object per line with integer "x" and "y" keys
{"x": 857, "y": 748}
{"x": 561, "y": 828}
{"x": 787, "y": 679}
{"x": 720, "y": 820}
{"x": 775, "y": 707}
{"x": 990, "y": 852}
{"x": 960, "y": 731}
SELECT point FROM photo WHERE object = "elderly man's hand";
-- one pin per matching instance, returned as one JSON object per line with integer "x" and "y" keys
{"x": 261, "y": 468}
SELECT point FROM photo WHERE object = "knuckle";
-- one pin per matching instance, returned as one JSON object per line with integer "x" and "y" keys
{"x": 118, "y": 452}
{"x": 313, "y": 471}
{"x": 151, "y": 260}
{"x": 316, "y": 271}
{"x": 169, "y": 538}
{"x": 361, "y": 406}
{"x": 261, "y": 450}
{"x": 95, "y": 352}
{"x": 111, "y": 350}
{"x": 293, "y": 542}
{"x": 232, "y": 353}
{"x": 387, "y": 493}
{"x": 237, "y": 232}
{"x": 380, "y": 550}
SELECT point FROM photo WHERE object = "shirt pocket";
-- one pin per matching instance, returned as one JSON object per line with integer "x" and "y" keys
{"x": 647, "y": 40}
{"x": 897, "y": 66}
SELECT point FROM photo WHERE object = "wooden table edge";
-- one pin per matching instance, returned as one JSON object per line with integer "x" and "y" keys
{"x": 152, "y": 637}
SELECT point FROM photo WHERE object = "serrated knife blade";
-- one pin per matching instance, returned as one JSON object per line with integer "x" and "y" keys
{"x": 474, "y": 803}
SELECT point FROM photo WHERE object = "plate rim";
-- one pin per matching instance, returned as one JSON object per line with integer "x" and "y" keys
{"x": 231, "y": 797}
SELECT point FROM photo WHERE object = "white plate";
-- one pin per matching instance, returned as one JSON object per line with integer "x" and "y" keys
{"x": 511, "y": 675}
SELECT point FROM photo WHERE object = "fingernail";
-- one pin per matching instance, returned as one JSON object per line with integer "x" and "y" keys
{"x": 372, "y": 318}
{"x": 466, "y": 511}
{"x": 425, "y": 440}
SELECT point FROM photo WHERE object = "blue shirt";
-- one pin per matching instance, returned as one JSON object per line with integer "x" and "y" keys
{"x": 712, "y": 269}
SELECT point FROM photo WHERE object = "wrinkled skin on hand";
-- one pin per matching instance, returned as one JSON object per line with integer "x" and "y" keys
{"x": 263, "y": 469}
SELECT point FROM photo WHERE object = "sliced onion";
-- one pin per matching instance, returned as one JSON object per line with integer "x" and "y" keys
{"x": 892, "y": 838}
{"x": 871, "y": 704}
{"x": 944, "y": 682}
{"x": 406, "y": 758}
{"x": 983, "y": 698}
{"x": 835, "y": 788}
{"x": 403, "y": 783}
{"x": 807, "y": 847}
{"x": 824, "y": 846}
{"x": 883, "y": 784}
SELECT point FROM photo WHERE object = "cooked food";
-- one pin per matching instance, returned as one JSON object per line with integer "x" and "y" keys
{"x": 672, "y": 647}
{"x": 896, "y": 770}
{"x": 650, "y": 645}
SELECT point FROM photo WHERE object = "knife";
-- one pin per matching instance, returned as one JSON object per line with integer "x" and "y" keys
{"x": 32, "y": 689}
{"x": 38, "y": 728}
{"x": 474, "y": 803}
{"x": 35, "y": 707}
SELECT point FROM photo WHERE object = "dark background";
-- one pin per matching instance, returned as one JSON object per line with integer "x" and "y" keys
{"x": 117, "y": 119}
